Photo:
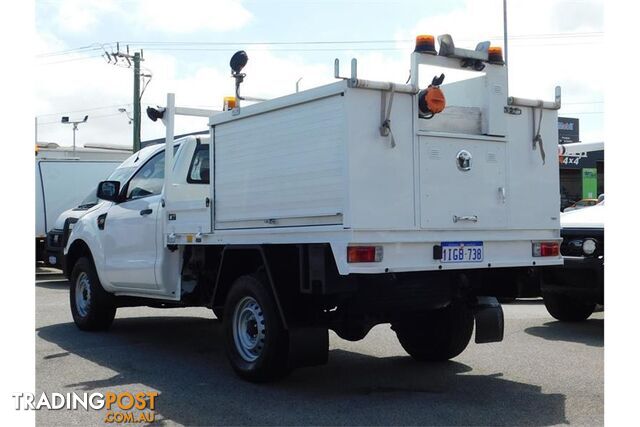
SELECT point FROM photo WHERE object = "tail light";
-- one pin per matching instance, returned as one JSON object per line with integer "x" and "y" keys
{"x": 544, "y": 249}
{"x": 364, "y": 254}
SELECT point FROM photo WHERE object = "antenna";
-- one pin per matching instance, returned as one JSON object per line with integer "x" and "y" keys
{"x": 506, "y": 42}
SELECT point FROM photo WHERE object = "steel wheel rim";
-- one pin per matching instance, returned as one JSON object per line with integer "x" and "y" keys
{"x": 83, "y": 294}
{"x": 249, "y": 329}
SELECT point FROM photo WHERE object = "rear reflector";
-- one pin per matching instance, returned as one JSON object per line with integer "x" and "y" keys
{"x": 540, "y": 249}
{"x": 364, "y": 254}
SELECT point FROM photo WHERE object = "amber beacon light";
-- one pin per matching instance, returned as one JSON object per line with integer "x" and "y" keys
{"x": 426, "y": 43}
{"x": 495, "y": 55}
{"x": 229, "y": 103}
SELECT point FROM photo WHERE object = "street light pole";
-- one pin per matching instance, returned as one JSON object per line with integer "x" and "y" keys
{"x": 65, "y": 120}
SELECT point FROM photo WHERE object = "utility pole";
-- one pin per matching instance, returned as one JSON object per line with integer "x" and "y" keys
{"x": 136, "y": 102}
{"x": 136, "y": 58}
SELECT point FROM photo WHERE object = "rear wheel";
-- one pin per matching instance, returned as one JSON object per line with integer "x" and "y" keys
{"x": 436, "y": 335}
{"x": 257, "y": 344}
{"x": 92, "y": 308}
{"x": 567, "y": 309}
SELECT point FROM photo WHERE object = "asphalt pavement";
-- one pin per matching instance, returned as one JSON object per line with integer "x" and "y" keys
{"x": 544, "y": 372}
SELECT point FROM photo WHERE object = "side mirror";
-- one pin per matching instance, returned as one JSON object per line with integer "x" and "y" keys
{"x": 109, "y": 190}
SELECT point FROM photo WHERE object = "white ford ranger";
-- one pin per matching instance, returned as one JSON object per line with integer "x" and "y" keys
{"x": 340, "y": 207}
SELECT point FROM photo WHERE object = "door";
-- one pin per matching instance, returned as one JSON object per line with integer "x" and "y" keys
{"x": 188, "y": 201}
{"x": 462, "y": 183}
{"x": 131, "y": 229}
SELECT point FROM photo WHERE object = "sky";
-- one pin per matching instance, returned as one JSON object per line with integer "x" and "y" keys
{"x": 187, "y": 45}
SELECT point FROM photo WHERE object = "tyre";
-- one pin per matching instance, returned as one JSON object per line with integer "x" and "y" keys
{"x": 567, "y": 309}
{"x": 437, "y": 335}
{"x": 92, "y": 308}
{"x": 257, "y": 345}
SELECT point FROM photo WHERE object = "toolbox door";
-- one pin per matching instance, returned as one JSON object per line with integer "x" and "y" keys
{"x": 463, "y": 183}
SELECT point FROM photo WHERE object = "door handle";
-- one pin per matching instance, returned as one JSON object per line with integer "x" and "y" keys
{"x": 471, "y": 218}
{"x": 146, "y": 211}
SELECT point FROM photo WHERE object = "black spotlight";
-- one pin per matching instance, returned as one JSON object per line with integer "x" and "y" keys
{"x": 238, "y": 61}
{"x": 155, "y": 114}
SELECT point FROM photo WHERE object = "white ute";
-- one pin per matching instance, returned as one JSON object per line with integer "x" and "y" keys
{"x": 340, "y": 207}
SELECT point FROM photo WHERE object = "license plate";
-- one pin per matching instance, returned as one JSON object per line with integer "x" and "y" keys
{"x": 453, "y": 252}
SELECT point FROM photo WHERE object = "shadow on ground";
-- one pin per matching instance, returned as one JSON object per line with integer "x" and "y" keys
{"x": 61, "y": 284}
{"x": 527, "y": 301}
{"x": 589, "y": 332}
{"x": 183, "y": 358}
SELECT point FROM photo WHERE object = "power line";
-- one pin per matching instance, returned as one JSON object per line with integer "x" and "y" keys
{"x": 346, "y": 49}
{"x": 103, "y": 46}
{"x": 100, "y": 116}
{"x": 92, "y": 47}
{"x": 85, "y": 110}
{"x": 70, "y": 60}
{"x": 338, "y": 42}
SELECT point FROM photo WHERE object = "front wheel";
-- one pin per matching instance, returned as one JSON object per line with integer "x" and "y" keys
{"x": 257, "y": 344}
{"x": 92, "y": 308}
{"x": 436, "y": 335}
{"x": 567, "y": 309}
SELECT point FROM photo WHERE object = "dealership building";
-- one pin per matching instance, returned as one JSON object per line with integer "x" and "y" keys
{"x": 581, "y": 175}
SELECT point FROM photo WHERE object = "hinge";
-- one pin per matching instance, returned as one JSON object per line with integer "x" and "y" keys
{"x": 512, "y": 110}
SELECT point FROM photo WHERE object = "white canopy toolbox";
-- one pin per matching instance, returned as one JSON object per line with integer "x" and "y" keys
{"x": 358, "y": 162}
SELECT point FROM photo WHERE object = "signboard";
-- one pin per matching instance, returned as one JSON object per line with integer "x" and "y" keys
{"x": 581, "y": 160}
{"x": 568, "y": 130}
{"x": 589, "y": 183}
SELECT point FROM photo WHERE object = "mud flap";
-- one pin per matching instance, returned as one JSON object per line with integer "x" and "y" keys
{"x": 489, "y": 320}
{"x": 308, "y": 346}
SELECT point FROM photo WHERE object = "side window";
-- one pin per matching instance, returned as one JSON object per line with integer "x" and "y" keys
{"x": 148, "y": 180}
{"x": 199, "y": 168}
